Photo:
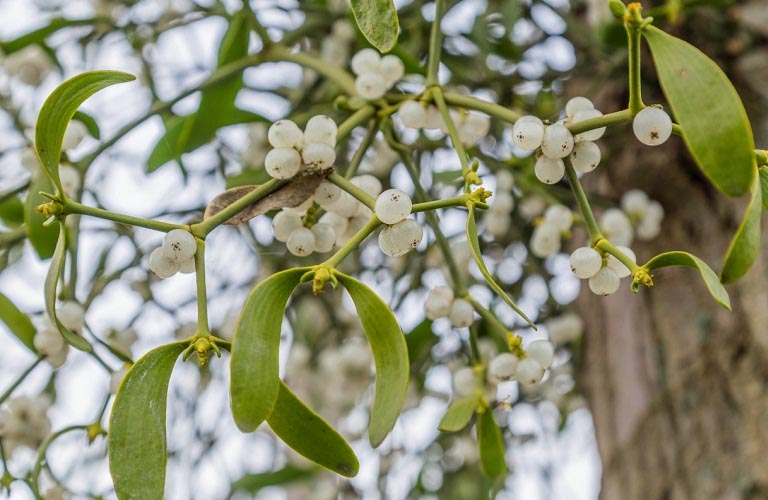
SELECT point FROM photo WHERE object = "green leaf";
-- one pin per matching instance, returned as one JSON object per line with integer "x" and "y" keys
{"x": 253, "y": 483}
{"x": 474, "y": 247}
{"x": 42, "y": 238}
{"x": 420, "y": 341}
{"x": 12, "y": 212}
{"x": 51, "y": 284}
{"x": 39, "y": 35}
{"x": 137, "y": 445}
{"x": 764, "y": 185}
{"x": 711, "y": 280}
{"x": 255, "y": 349}
{"x": 58, "y": 109}
{"x": 90, "y": 124}
{"x": 311, "y": 436}
{"x": 377, "y": 20}
{"x": 390, "y": 354}
{"x": 745, "y": 245}
{"x": 491, "y": 445}
{"x": 17, "y": 322}
{"x": 708, "y": 108}
{"x": 458, "y": 414}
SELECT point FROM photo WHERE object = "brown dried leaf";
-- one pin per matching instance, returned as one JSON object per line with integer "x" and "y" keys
{"x": 292, "y": 194}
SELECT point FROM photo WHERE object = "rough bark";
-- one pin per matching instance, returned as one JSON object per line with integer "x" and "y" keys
{"x": 678, "y": 387}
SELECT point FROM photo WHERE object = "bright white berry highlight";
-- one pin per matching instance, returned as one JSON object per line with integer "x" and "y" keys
{"x": 617, "y": 227}
{"x": 545, "y": 240}
{"x": 284, "y": 223}
{"x": 577, "y": 104}
{"x": 371, "y": 86}
{"x": 398, "y": 239}
{"x": 392, "y": 206}
{"x": 179, "y": 245}
{"x": 585, "y": 262}
{"x": 318, "y": 155}
{"x": 559, "y": 216}
{"x": 652, "y": 126}
{"x": 528, "y": 132}
{"x": 412, "y": 114}
{"x": 284, "y": 134}
{"x": 438, "y": 304}
{"x": 529, "y": 372}
{"x": 604, "y": 282}
{"x": 464, "y": 382}
{"x": 462, "y": 313}
{"x": 541, "y": 351}
{"x": 392, "y": 69}
{"x": 301, "y": 242}
{"x": 557, "y": 142}
{"x": 586, "y": 156}
{"x": 549, "y": 171}
{"x": 325, "y": 237}
{"x": 282, "y": 163}
{"x": 503, "y": 367}
{"x": 322, "y": 129}
{"x": 366, "y": 61}
{"x": 161, "y": 265}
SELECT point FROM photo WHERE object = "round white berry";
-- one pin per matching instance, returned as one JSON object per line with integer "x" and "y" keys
{"x": 187, "y": 266}
{"x": 577, "y": 104}
{"x": 549, "y": 171}
{"x": 284, "y": 134}
{"x": 648, "y": 229}
{"x": 545, "y": 240}
{"x": 585, "y": 262}
{"x": 327, "y": 193}
{"x": 345, "y": 206}
{"x": 301, "y": 242}
{"x": 528, "y": 132}
{"x": 325, "y": 237}
{"x": 367, "y": 183}
{"x": 338, "y": 222}
{"x": 179, "y": 245}
{"x": 654, "y": 211}
{"x": 71, "y": 315}
{"x": 557, "y": 141}
{"x": 462, "y": 313}
{"x": 652, "y": 126}
{"x": 318, "y": 155}
{"x": 529, "y": 372}
{"x": 604, "y": 282}
{"x": 282, "y": 163}
{"x": 412, "y": 114}
{"x": 542, "y": 352}
{"x": 433, "y": 119}
{"x": 502, "y": 367}
{"x": 392, "y": 206}
{"x": 617, "y": 227}
{"x": 591, "y": 135}
{"x": 586, "y": 156}
{"x": 565, "y": 328}
{"x": 620, "y": 269}
{"x": 365, "y": 61}
{"x": 161, "y": 265}
{"x": 465, "y": 382}
{"x": 559, "y": 216}
{"x": 502, "y": 202}
{"x": 370, "y": 86}
{"x": 398, "y": 239}
{"x": 73, "y": 135}
{"x": 392, "y": 69}
{"x": 284, "y": 223}
{"x": 438, "y": 304}
{"x": 322, "y": 129}
{"x": 635, "y": 203}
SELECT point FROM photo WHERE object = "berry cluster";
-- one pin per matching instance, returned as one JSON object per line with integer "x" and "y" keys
{"x": 24, "y": 422}
{"x": 314, "y": 148}
{"x": 471, "y": 125}
{"x": 375, "y": 74}
{"x": 604, "y": 272}
{"x": 441, "y": 303}
{"x": 177, "y": 254}
{"x": 49, "y": 342}
{"x": 556, "y": 142}
{"x": 546, "y": 237}
{"x": 644, "y": 213}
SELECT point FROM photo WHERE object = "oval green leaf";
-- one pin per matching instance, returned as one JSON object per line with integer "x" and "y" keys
{"x": 42, "y": 238}
{"x": 51, "y": 285}
{"x": 459, "y": 414}
{"x": 708, "y": 108}
{"x": 390, "y": 354}
{"x": 137, "y": 445}
{"x": 311, "y": 436}
{"x": 685, "y": 259}
{"x": 59, "y": 108}
{"x": 474, "y": 247}
{"x": 17, "y": 322}
{"x": 377, "y": 20}
{"x": 745, "y": 244}
{"x": 491, "y": 445}
{"x": 255, "y": 379}
{"x": 253, "y": 483}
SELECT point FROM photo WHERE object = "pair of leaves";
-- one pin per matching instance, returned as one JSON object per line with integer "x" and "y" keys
{"x": 474, "y": 247}
{"x": 256, "y": 388}
{"x": 217, "y": 103}
{"x": 712, "y": 282}
{"x": 377, "y": 20}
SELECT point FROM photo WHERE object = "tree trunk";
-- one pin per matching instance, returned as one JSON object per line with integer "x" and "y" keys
{"x": 678, "y": 386}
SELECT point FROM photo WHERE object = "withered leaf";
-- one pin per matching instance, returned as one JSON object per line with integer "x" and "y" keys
{"x": 291, "y": 194}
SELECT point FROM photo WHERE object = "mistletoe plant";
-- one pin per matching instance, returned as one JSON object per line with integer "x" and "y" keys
{"x": 319, "y": 205}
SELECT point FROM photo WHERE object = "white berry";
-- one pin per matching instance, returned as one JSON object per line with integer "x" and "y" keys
{"x": 391, "y": 68}
{"x": 284, "y": 134}
{"x": 438, "y": 304}
{"x": 318, "y": 155}
{"x": 528, "y": 132}
{"x": 529, "y": 372}
{"x": 604, "y": 282}
{"x": 464, "y": 382}
{"x": 577, "y": 104}
{"x": 71, "y": 315}
{"x": 398, "y": 239}
{"x": 322, "y": 129}
{"x": 187, "y": 266}
{"x": 591, "y": 135}
{"x": 549, "y": 171}
{"x": 365, "y": 61}
{"x": 392, "y": 206}
{"x": 557, "y": 141}
{"x": 617, "y": 227}
{"x": 586, "y": 156}
{"x": 542, "y": 352}
{"x": 545, "y": 240}
{"x": 327, "y": 193}
{"x": 301, "y": 242}
{"x": 620, "y": 269}
{"x": 559, "y": 216}
{"x": 635, "y": 203}
{"x": 462, "y": 313}
{"x": 503, "y": 367}
{"x": 338, "y": 222}
{"x": 325, "y": 237}
{"x": 179, "y": 245}
{"x": 652, "y": 126}
{"x": 284, "y": 223}
{"x": 412, "y": 114}
{"x": 585, "y": 262}
{"x": 367, "y": 183}
{"x": 370, "y": 86}
{"x": 565, "y": 328}
{"x": 161, "y": 265}
{"x": 282, "y": 163}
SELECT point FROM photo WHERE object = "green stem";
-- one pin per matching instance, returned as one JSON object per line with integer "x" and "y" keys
{"x": 202, "y": 295}
{"x": 614, "y": 118}
{"x": 331, "y": 72}
{"x": 201, "y": 229}
{"x": 495, "y": 110}
{"x": 633, "y": 37}
{"x": 350, "y": 188}
{"x": 16, "y": 383}
{"x": 358, "y": 117}
{"x": 357, "y": 158}
{"x": 435, "y": 44}
{"x": 437, "y": 94}
{"x": 581, "y": 200}
{"x": 73, "y": 207}
{"x": 608, "y": 247}
{"x": 454, "y": 201}
{"x": 353, "y": 243}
